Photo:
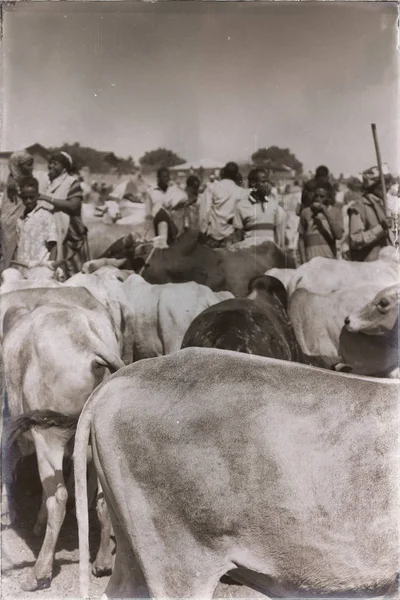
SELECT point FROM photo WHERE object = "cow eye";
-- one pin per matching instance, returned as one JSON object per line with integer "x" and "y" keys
{"x": 384, "y": 303}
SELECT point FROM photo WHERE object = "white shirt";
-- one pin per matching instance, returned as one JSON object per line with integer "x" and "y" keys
{"x": 225, "y": 196}
{"x": 170, "y": 199}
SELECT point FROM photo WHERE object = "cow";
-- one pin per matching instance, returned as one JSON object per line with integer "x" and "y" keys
{"x": 324, "y": 275}
{"x": 282, "y": 475}
{"x": 132, "y": 248}
{"x": 106, "y": 285}
{"x": 258, "y": 324}
{"x": 284, "y": 275}
{"x": 58, "y": 344}
{"x": 318, "y": 319}
{"x": 219, "y": 269}
{"x": 162, "y": 313}
{"x": 369, "y": 340}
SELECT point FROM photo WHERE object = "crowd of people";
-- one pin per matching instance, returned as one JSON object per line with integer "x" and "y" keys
{"x": 230, "y": 213}
{"x": 42, "y": 222}
{"x": 39, "y": 225}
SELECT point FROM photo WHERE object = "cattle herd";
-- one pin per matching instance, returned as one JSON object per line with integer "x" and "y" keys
{"x": 259, "y": 439}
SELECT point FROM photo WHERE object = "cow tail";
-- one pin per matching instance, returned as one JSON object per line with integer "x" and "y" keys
{"x": 80, "y": 465}
{"x": 109, "y": 360}
{"x": 43, "y": 419}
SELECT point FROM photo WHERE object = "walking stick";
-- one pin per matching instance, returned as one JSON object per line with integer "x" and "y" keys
{"x": 379, "y": 160}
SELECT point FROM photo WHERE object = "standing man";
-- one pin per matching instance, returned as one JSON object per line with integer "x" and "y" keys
{"x": 258, "y": 215}
{"x": 369, "y": 228}
{"x": 225, "y": 195}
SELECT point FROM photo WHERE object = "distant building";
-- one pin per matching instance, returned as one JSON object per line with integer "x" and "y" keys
{"x": 40, "y": 160}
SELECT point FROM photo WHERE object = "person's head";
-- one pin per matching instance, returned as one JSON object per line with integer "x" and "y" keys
{"x": 20, "y": 165}
{"x": 163, "y": 178}
{"x": 59, "y": 163}
{"x": 257, "y": 179}
{"x": 372, "y": 180}
{"x": 355, "y": 184}
{"x": 211, "y": 178}
{"x": 29, "y": 192}
{"x": 324, "y": 193}
{"x": 322, "y": 173}
{"x": 230, "y": 171}
{"x": 193, "y": 185}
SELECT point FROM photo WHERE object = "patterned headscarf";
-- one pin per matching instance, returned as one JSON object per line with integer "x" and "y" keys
{"x": 16, "y": 160}
{"x": 371, "y": 176}
{"x": 17, "y": 177}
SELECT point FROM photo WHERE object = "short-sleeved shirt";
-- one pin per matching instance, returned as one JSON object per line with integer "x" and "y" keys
{"x": 256, "y": 222}
{"x": 225, "y": 195}
{"x": 34, "y": 231}
{"x": 173, "y": 197}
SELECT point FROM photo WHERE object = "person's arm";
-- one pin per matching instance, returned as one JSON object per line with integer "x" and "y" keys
{"x": 280, "y": 223}
{"x": 301, "y": 245}
{"x": 52, "y": 247}
{"x": 302, "y": 249}
{"x": 335, "y": 221}
{"x": 239, "y": 221}
{"x": 359, "y": 237}
{"x": 71, "y": 204}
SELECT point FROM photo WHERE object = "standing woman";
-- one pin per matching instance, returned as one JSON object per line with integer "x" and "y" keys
{"x": 21, "y": 167}
{"x": 65, "y": 195}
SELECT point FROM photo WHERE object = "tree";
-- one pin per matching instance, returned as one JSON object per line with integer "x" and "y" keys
{"x": 97, "y": 161}
{"x": 161, "y": 158}
{"x": 274, "y": 157}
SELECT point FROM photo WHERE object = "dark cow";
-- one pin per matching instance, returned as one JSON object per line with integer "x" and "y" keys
{"x": 257, "y": 324}
{"x": 130, "y": 248}
{"x": 219, "y": 269}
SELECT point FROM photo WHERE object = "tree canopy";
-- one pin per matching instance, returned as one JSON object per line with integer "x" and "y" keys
{"x": 161, "y": 157}
{"x": 274, "y": 157}
{"x": 95, "y": 160}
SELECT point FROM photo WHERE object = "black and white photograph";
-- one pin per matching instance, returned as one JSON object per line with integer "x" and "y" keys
{"x": 199, "y": 296}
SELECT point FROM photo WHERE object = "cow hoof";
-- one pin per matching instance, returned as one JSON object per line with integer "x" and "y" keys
{"x": 32, "y": 584}
{"x": 101, "y": 571}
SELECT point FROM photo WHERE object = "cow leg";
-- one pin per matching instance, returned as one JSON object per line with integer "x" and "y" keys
{"x": 9, "y": 464}
{"x": 50, "y": 446}
{"x": 127, "y": 580}
{"x": 42, "y": 517}
{"x": 102, "y": 565}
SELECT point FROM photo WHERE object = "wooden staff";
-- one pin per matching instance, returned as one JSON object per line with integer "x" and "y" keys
{"x": 379, "y": 161}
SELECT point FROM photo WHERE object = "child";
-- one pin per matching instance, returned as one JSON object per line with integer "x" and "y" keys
{"x": 320, "y": 226}
{"x": 36, "y": 229}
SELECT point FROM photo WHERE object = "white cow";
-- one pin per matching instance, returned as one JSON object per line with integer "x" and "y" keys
{"x": 162, "y": 313}
{"x": 282, "y": 475}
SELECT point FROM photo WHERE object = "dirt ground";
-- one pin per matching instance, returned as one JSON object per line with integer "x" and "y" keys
{"x": 20, "y": 548}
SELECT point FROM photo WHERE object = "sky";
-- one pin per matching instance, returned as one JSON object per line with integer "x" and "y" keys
{"x": 215, "y": 80}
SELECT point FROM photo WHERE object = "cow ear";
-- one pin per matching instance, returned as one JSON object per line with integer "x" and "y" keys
{"x": 342, "y": 368}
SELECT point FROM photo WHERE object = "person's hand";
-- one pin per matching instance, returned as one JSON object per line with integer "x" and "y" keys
{"x": 42, "y": 263}
{"x": 387, "y": 223}
{"x": 45, "y": 204}
{"x": 160, "y": 242}
{"x": 317, "y": 207}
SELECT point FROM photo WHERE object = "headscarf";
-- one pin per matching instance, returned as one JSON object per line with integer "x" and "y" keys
{"x": 16, "y": 160}
{"x": 17, "y": 176}
{"x": 64, "y": 159}
{"x": 371, "y": 176}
